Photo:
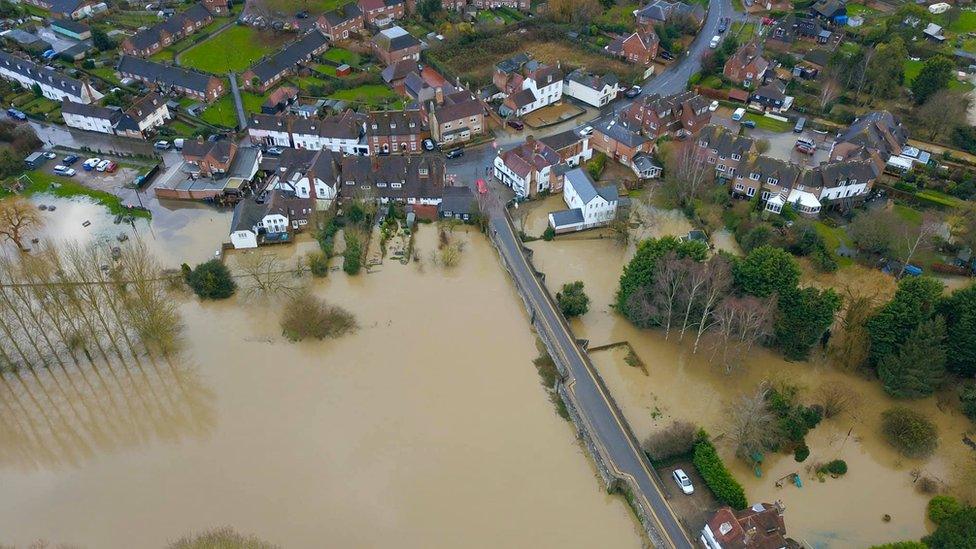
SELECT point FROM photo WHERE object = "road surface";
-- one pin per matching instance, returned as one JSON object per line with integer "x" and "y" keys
{"x": 605, "y": 425}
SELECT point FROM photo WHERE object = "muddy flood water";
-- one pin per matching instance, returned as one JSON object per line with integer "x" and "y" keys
{"x": 844, "y": 512}
{"x": 427, "y": 428}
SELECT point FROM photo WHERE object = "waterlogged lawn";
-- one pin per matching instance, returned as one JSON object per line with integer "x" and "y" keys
{"x": 38, "y": 182}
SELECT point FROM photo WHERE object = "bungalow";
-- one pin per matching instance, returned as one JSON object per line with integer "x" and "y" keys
{"x": 396, "y": 44}
{"x": 68, "y": 9}
{"x": 791, "y": 28}
{"x": 591, "y": 89}
{"x": 170, "y": 79}
{"x": 161, "y": 35}
{"x": 339, "y": 23}
{"x": 588, "y": 206}
{"x": 53, "y": 84}
{"x": 29, "y": 42}
{"x": 639, "y": 47}
{"x": 528, "y": 168}
{"x": 376, "y": 11}
{"x": 681, "y": 113}
{"x": 758, "y": 527}
{"x": 268, "y": 71}
{"x": 831, "y": 11}
{"x": 746, "y": 67}
{"x": 458, "y": 203}
{"x": 396, "y": 131}
{"x": 456, "y": 117}
{"x": 623, "y": 141}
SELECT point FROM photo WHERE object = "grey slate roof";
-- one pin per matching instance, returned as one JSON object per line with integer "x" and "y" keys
{"x": 293, "y": 54}
{"x": 563, "y": 218}
{"x": 458, "y": 200}
{"x": 348, "y": 12}
{"x": 621, "y": 131}
{"x": 92, "y": 111}
{"x": 247, "y": 213}
{"x": 562, "y": 140}
{"x": 166, "y": 75}
{"x": 592, "y": 81}
{"x": 37, "y": 73}
{"x": 582, "y": 184}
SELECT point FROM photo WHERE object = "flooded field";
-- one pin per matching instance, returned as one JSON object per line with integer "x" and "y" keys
{"x": 845, "y": 512}
{"x": 426, "y": 428}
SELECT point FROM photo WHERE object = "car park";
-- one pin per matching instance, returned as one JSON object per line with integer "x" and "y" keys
{"x": 102, "y": 165}
{"x": 683, "y": 481}
{"x": 713, "y": 106}
{"x": 63, "y": 171}
{"x": 428, "y": 144}
{"x": 70, "y": 159}
{"x": 454, "y": 153}
{"x": 161, "y": 145}
{"x": 516, "y": 125}
{"x": 632, "y": 92}
{"x": 274, "y": 151}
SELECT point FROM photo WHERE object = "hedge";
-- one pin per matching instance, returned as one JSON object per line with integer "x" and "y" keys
{"x": 718, "y": 478}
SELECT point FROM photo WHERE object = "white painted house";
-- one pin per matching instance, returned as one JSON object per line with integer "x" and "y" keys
{"x": 588, "y": 206}
{"x": 92, "y": 118}
{"x": 270, "y": 130}
{"x": 590, "y": 88}
{"x": 539, "y": 88}
{"x": 53, "y": 84}
{"x": 527, "y": 168}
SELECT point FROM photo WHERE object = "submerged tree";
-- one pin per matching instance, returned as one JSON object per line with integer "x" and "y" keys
{"x": 18, "y": 219}
{"x": 917, "y": 369}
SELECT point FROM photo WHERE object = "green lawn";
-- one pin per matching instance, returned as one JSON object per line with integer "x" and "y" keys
{"x": 912, "y": 68}
{"x": 965, "y": 23}
{"x": 860, "y": 9}
{"x": 294, "y": 6}
{"x": 222, "y": 112}
{"x": 164, "y": 55}
{"x": 327, "y": 70}
{"x": 768, "y": 123}
{"x": 339, "y": 55}
{"x": 908, "y": 214}
{"x": 744, "y": 31}
{"x": 833, "y": 237}
{"x": 105, "y": 73}
{"x": 372, "y": 94}
{"x": 41, "y": 182}
{"x": 618, "y": 15}
{"x": 235, "y": 49}
{"x": 134, "y": 19}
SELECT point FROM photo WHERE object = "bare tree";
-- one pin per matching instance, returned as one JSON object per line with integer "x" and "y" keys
{"x": 829, "y": 90}
{"x": 687, "y": 175}
{"x": 942, "y": 112}
{"x": 717, "y": 286}
{"x": 18, "y": 219}
{"x": 668, "y": 283}
{"x": 264, "y": 273}
{"x": 836, "y": 398}
{"x": 849, "y": 346}
{"x": 751, "y": 424}
{"x": 741, "y": 323}
{"x": 915, "y": 239}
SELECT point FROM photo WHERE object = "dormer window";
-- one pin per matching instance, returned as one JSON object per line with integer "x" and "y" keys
{"x": 754, "y": 176}
{"x": 736, "y": 157}
{"x": 423, "y": 171}
{"x": 413, "y": 124}
{"x": 703, "y": 143}
{"x": 375, "y": 126}
{"x": 396, "y": 185}
{"x": 772, "y": 180}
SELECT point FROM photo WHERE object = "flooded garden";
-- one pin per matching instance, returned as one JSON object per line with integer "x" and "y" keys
{"x": 426, "y": 427}
{"x": 880, "y": 499}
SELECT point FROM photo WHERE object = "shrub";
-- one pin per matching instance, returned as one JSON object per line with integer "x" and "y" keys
{"x": 718, "y": 478}
{"x": 675, "y": 440}
{"x": 572, "y": 300}
{"x": 307, "y": 316}
{"x": 220, "y": 537}
{"x": 352, "y": 257}
{"x": 211, "y": 280}
{"x": 836, "y": 467}
{"x": 956, "y": 530}
{"x": 801, "y": 453}
{"x": 549, "y": 234}
{"x": 318, "y": 263}
{"x": 910, "y": 432}
{"x": 596, "y": 165}
{"x": 942, "y": 507}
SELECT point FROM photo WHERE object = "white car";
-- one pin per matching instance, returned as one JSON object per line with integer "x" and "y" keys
{"x": 102, "y": 165}
{"x": 713, "y": 106}
{"x": 715, "y": 41}
{"x": 63, "y": 170}
{"x": 683, "y": 481}
{"x": 91, "y": 163}
{"x": 50, "y": 155}
{"x": 587, "y": 131}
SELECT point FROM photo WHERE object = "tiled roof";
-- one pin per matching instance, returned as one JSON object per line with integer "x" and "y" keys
{"x": 165, "y": 74}
{"x": 50, "y": 77}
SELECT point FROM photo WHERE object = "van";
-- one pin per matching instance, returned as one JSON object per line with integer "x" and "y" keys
{"x": 178, "y": 143}
{"x": 738, "y": 114}
{"x": 798, "y": 128}
{"x": 715, "y": 41}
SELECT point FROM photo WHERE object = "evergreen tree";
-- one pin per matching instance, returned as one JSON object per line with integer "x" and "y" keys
{"x": 935, "y": 75}
{"x": 212, "y": 280}
{"x": 917, "y": 369}
{"x": 803, "y": 317}
{"x": 959, "y": 311}
{"x": 639, "y": 273}
{"x": 765, "y": 271}
{"x": 572, "y": 300}
{"x": 957, "y": 530}
{"x": 914, "y": 303}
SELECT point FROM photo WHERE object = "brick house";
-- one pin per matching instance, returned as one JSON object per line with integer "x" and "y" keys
{"x": 269, "y": 71}
{"x": 758, "y": 527}
{"x": 210, "y": 157}
{"x": 382, "y": 9}
{"x": 746, "y": 67}
{"x": 721, "y": 147}
{"x": 340, "y": 22}
{"x": 396, "y": 131}
{"x": 161, "y": 35}
{"x": 622, "y": 140}
{"x": 396, "y": 44}
{"x": 456, "y": 117}
{"x": 217, "y": 7}
{"x": 684, "y": 112}
{"x": 639, "y": 47}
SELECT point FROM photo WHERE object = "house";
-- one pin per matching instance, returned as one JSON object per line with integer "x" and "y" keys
{"x": 831, "y": 11}
{"x": 746, "y": 67}
{"x": 219, "y": 8}
{"x": 269, "y": 71}
{"x": 877, "y": 132}
{"x": 791, "y": 28}
{"x": 764, "y": 175}
{"x": 209, "y": 158}
{"x": 68, "y": 9}
{"x": 270, "y": 130}
{"x": 622, "y": 140}
{"x": 72, "y": 29}
{"x": 934, "y": 33}
{"x": 590, "y": 88}
{"x": 527, "y": 85}
{"x": 145, "y": 115}
{"x": 339, "y": 23}
{"x": 90, "y": 117}
{"x": 455, "y": 117}
{"x": 27, "y": 41}
{"x": 682, "y": 113}
{"x": 639, "y": 47}
{"x": 416, "y": 180}
{"x": 53, "y": 84}
{"x": 772, "y": 96}
{"x": 662, "y": 11}
{"x": 343, "y": 133}
{"x": 588, "y": 206}
{"x": 528, "y": 168}
{"x": 396, "y": 131}
{"x": 573, "y": 147}
{"x": 842, "y": 184}
{"x": 147, "y": 42}
{"x": 170, "y": 79}
{"x": 758, "y": 527}
{"x": 724, "y": 149}
{"x": 270, "y": 221}
{"x": 395, "y": 74}
{"x": 279, "y": 100}
{"x": 375, "y": 11}
{"x": 458, "y": 203}
{"x": 312, "y": 175}
{"x": 396, "y": 44}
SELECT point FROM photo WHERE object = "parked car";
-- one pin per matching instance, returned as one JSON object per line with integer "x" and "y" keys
{"x": 749, "y": 123}
{"x": 302, "y": 15}
{"x": 482, "y": 186}
{"x": 800, "y": 124}
{"x": 70, "y": 159}
{"x": 102, "y": 165}
{"x": 666, "y": 55}
{"x": 805, "y": 146}
{"x": 428, "y": 144}
{"x": 713, "y": 106}
{"x": 90, "y": 164}
{"x": 161, "y": 145}
{"x": 587, "y": 131}
{"x": 723, "y": 24}
{"x": 63, "y": 171}
{"x": 214, "y": 137}
{"x": 112, "y": 166}
{"x": 683, "y": 481}
{"x": 15, "y": 114}
{"x": 50, "y": 155}
{"x": 454, "y": 153}
{"x": 715, "y": 41}
{"x": 274, "y": 151}
{"x": 516, "y": 124}
{"x": 178, "y": 143}
{"x": 632, "y": 92}
{"x": 738, "y": 114}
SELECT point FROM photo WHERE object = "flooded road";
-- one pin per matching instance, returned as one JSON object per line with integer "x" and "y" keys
{"x": 678, "y": 385}
{"x": 426, "y": 428}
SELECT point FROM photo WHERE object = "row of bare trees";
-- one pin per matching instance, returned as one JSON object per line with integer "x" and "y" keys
{"x": 694, "y": 298}
{"x": 89, "y": 358}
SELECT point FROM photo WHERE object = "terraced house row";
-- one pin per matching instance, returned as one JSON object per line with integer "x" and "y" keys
{"x": 172, "y": 80}
{"x": 161, "y": 35}
{"x": 269, "y": 71}
{"x": 53, "y": 84}
{"x": 375, "y": 133}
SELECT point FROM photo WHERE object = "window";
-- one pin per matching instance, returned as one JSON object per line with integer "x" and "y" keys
{"x": 739, "y": 187}
{"x": 720, "y": 167}
{"x": 736, "y": 156}
{"x": 423, "y": 171}
{"x": 853, "y": 181}
{"x": 703, "y": 143}
{"x": 751, "y": 191}
{"x": 754, "y": 176}
{"x": 772, "y": 180}
{"x": 396, "y": 185}
{"x": 765, "y": 195}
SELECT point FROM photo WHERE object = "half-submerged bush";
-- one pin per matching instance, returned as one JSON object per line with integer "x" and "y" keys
{"x": 307, "y": 316}
{"x": 211, "y": 280}
{"x": 675, "y": 440}
{"x": 910, "y": 432}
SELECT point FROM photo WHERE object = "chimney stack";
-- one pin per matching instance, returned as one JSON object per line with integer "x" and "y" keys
{"x": 439, "y": 95}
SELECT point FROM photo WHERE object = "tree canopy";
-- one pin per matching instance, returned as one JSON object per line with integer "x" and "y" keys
{"x": 917, "y": 368}
{"x": 914, "y": 302}
{"x": 211, "y": 280}
{"x": 639, "y": 273}
{"x": 765, "y": 271}
{"x": 935, "y": 75}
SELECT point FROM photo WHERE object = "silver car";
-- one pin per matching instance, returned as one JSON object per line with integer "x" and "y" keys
{"x": 683, "y": 481}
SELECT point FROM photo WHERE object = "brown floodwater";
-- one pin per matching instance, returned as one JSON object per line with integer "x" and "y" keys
{"x": 845, "y": 512}
{"x": 427, "y": 428}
